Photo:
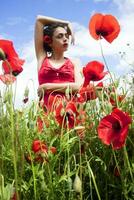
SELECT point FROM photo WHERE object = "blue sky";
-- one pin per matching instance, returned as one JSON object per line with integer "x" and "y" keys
{"x": 17, "y": 19}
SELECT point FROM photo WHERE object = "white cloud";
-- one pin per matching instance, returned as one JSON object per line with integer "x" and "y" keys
{"x": 29, "y": 75}
{"x": 125, "y": 6}
{"x": 85, "y": 46}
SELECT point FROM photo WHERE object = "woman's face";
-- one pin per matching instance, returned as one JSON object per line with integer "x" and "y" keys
{"x": 60, "y": 39}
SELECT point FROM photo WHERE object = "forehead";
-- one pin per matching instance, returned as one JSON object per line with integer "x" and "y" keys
{"x": 59, "y": 30}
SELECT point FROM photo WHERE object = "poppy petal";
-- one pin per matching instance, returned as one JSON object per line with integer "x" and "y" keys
{"x": 105, "y": 26}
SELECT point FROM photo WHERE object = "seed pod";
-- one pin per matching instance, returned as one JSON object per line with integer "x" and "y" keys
{"x": 77, "y": 185}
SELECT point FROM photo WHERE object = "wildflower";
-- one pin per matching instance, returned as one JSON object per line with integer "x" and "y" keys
{"x": 113, "y": 128}
{"x": 86, "y": 93}
{"x": 39, "y": 146}
{"x": 77, "y": 185}
{"x": 105, "y": 26}
{"x": 41, "y": 150}
{"x": 93, "y": 71}
{"x": 66, "y": 114}
{"x": 12, "y": 63}
{"x": 7, "y": 78}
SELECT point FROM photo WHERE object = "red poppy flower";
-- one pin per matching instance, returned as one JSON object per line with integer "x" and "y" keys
{"x": 86, "y": 93}
{"x": 93, "y": 71}
{"x": 113, "y": 128}
{"x": 47, "y": 39}
{"x": 39, "y": 146}
{"x": 105, "y": 26}
{"x": 66, "y": 114}
{"x": 7, "y": 79}
{"x": 120, "y": 98}
{"x": 12, "y": 63}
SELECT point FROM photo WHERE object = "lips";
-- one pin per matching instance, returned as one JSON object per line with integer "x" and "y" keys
{"x": 65, "y": 45}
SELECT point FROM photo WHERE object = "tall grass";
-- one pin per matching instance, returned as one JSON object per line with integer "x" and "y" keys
{"x": 99, "y": 171}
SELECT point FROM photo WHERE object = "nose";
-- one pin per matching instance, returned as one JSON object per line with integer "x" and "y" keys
{"x": 65, "y": 38}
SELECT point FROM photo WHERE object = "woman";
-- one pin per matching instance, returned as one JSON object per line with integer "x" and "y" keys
{"x": 56, "y": 73}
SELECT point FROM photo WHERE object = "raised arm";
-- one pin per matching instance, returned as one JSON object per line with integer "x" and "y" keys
{"x": 41, "y": 21}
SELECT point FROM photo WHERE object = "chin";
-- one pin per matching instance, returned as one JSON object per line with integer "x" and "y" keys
{"x": 65, "y": 49}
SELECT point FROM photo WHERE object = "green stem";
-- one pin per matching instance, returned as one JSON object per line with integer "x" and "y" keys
{"x": 13, "y": 143}
{"x": 81, "y": 195}
{"x": 93, "y": 178}
{"x": 108, "y": 71}
{"x": 105, "y": 61}
{"x": 128, "y": 163}
{"x": 34, "y": 179}
{"x": 51, "y": 181}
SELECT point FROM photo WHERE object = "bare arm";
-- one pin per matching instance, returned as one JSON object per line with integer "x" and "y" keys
{"x": 41, "y": 21}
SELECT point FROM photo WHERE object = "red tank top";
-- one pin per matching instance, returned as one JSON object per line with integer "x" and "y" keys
{"x": 49, "y": 74}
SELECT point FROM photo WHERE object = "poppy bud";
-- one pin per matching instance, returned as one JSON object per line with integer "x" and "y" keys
{"x": 117, "y": 172}
{"x": 77, "y": 185}
{"x": 25, "y": 100}
{"x": 53, "y": 150}
{"x": 2, "y": 55}
{"x": 26, "y": 92}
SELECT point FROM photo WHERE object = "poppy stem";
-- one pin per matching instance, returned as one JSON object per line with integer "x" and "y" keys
{"x": 91, "y": 174}
{"x": 127, "y": 160}
{"x": 109, "y": 72}
{"x": 80, "y": 168}
{"x": 106, "y": 62}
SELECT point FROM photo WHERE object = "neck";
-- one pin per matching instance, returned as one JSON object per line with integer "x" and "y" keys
{"x": 57, "y": 56}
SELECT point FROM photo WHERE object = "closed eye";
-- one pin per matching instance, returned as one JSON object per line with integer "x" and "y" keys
{"x": 61, "y": 35}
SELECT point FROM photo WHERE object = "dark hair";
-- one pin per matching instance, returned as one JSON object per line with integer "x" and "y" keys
{"x": 49, "y": 30}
